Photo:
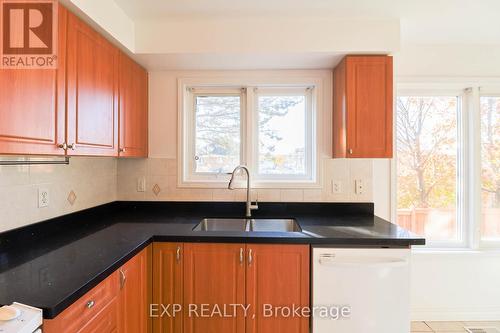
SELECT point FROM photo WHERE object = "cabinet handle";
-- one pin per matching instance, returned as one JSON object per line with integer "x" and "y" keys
{"x": 241, "y": 255}
{"x": 122, "y": 150}
{"x": 72, "y": 146}
{"x": 90, "y": 304}
{"x": 63, "y": 146}
{"x": 178, "y": 253}
{"x": 250, "y": 257}
{"x": 123, "y": 278}
{"x": 350, "y": 151}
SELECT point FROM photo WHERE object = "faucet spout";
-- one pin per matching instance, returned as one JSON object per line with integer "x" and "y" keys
{"x": 249, "y": 206}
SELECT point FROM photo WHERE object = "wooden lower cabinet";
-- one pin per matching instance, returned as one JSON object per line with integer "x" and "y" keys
{"x": 214, "y": 274}
{"x": 167, "y": 286}
{"x": 277, "y": 280}
{"x": 134, "y": 295}
{"x": 204, "y": 278}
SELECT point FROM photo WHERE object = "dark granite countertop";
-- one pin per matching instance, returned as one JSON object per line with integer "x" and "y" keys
{"x": 51, "y": 264}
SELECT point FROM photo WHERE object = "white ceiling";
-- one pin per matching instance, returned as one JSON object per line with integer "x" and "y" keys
{"x": 422, "y": 21}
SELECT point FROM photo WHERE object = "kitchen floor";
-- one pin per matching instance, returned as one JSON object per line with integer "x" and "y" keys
{"x": 453, "y": 326}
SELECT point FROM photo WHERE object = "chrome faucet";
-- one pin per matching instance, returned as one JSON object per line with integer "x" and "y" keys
{"x": 250, "y": 206}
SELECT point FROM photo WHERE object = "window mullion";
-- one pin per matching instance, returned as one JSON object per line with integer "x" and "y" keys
{"x": 250, "y": 130}
{"x": 473, "y": 165}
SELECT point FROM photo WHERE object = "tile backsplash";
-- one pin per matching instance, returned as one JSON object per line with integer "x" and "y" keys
{"x": 160, "y": 175}
{"x": 84, "y": 183}
{"x": 88, "y": 182}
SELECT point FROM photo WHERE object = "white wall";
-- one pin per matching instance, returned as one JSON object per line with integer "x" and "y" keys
{"x": 266, "y": 34}
{"x": 461, "y": 285}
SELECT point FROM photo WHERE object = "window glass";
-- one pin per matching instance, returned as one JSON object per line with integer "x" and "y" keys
{"x": 490, "y": 170}
{"x": 427, "y": 166}
{"x": 217, "y": 133}
{"x": 282, "y": 134}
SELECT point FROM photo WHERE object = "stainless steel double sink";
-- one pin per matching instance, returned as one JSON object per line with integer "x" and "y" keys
{"x": 248, "y": 225}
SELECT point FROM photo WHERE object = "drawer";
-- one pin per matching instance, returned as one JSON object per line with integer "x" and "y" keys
{"x": 86, "y": 308}
{"x": 106, "y": 321}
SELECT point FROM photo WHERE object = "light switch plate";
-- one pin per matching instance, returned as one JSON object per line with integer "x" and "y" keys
{"x": 141, "y": 184}
{"x": 43, "y": 197}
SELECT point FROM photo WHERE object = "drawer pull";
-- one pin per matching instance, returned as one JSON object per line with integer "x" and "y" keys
{"x": 90, "y": 304}
{"x": 178, "y": 253}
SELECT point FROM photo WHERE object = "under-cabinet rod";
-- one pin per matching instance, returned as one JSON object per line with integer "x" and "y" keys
{"x": 34, "y": 162}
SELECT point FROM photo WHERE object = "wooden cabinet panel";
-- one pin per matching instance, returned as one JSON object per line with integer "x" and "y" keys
{"x": 32, "y": 105}
{"x": 167, "y": 285}
{"x": 214, "y": 275}
{"x": 133, "y": 109}
{"x": 92, "y": 97}
{"x": 363, "y": 103}
{"x": 134, "y": 293}
{"x": 105, "y": 322}
{"x": 277, "y": 275}
{"x": 75, "y": 317}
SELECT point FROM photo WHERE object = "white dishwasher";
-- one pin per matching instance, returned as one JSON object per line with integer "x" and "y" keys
{"x": 361, "y": 290}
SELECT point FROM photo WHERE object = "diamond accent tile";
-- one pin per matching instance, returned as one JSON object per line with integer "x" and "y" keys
{"x": 156, "y": 189}
{"x": 72, "y": 198}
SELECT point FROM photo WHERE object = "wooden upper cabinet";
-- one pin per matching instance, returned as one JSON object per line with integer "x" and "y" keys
{"x": 133, "y": 137}
{"x": 363, "y": 107}
{"x": 134, "y": 297}
{"x": 167, "y": 286}
{"x": 277, "y": 275}
{"x": 92, "y": 91}
{"x": 32, "y": 105}
{"x": 213, "y": 274}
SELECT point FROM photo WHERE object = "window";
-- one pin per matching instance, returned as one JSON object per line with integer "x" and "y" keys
{"x": 490, "y": 167}
{"x": 428, "y": 173}
{"x": 283, "y": 134}
{"x": 448, "y": 165}
{"x": 217, "y": 133}
{"x": 272, "y": 129}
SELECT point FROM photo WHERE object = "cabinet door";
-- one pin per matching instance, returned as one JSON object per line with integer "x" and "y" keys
{"x": 92, "y": 81}
{"x": 277, "y": 275}
{"x": 133, "y": 109}
{"x": 369, "y": 106}
{"x": 214, "y": 274}
{"x": 167, "y": 286}
{"x": 32, "y": 105}
{"x": 134, "y": 294}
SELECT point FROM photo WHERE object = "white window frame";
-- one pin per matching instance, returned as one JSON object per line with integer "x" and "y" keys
{"x": 189, "y": 165}
{"x": 469, "y": 162}
{"x": 187, "y": 179}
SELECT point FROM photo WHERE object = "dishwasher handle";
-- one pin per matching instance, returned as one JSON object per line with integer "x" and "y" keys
{"x": 330, "y": 259}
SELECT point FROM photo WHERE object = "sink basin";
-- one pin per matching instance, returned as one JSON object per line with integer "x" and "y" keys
{"x": 273, "y": 225}
{"x": 248, "y": 225}
{"x": 221, "y": 225}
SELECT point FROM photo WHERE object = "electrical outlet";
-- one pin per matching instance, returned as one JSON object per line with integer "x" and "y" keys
{"x": 359, "y": 186}
{"x": 141, "y": 184}
{"x": 336, "y": 186}
{"x": 43, "y": 197}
